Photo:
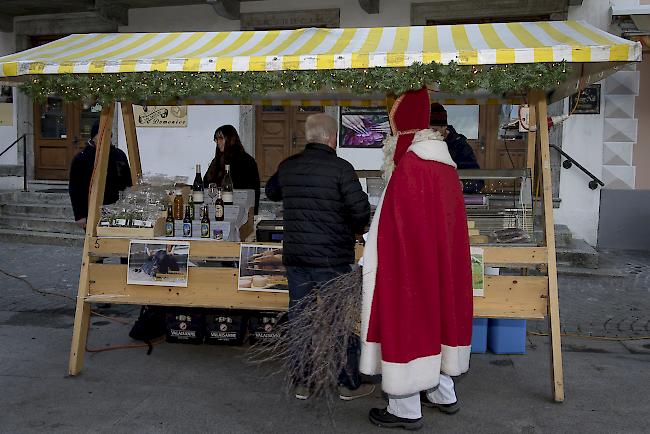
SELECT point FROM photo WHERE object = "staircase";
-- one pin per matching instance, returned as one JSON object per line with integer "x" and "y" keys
{"x": 574, "y": 255}
{"x": 39, "y": 217}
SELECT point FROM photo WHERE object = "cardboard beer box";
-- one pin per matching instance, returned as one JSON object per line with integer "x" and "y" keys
{"x": 185, "y": 326}
{"x": 225, "y": 327}
{"x": 263, "y": 326}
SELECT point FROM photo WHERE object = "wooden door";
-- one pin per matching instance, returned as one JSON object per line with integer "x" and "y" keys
{"x": 60, "y": 131}
{"x": 280, "y": 133}
{"x": 506, "y": 148}
{"x": 54, "y": 139}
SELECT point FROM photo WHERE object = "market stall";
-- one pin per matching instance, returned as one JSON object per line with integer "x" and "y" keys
{"x": 524, "y": 62}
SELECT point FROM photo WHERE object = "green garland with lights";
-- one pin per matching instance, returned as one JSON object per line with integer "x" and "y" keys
{"x": 168, "y": 86}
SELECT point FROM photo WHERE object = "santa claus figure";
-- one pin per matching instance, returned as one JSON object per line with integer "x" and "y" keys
{"x": 417, "y": 279}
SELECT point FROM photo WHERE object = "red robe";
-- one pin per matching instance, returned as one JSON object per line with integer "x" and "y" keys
{"x": 417, "y": 304}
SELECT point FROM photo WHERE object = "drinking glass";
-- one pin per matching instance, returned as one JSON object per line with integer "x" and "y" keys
{"x": 212, "y": 192}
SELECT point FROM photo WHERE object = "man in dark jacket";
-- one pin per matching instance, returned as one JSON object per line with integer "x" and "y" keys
{"x": 461, "y": 152}
{"x": 118, "y": 177}
{"x": 324, "y": 207}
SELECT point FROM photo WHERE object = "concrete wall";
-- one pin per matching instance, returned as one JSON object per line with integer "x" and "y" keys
{"x": 624, "y": 216}
{"x": 8, "y": 132}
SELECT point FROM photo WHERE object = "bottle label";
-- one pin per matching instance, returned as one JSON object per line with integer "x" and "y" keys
{"x": 169, "y": 229}
{"x": 227, "y": 196}
{"x": 197, "y": 196}
{"x": 187, "y": 229}
{"x": 218, "y": 212}
{"x": 205, "y": 230}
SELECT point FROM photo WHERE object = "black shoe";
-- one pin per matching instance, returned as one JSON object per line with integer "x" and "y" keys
{"x": 381, "y": 417}
{"x": 444, "y": 408}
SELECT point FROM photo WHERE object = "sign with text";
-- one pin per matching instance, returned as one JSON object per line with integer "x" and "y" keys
{"x": 160, "y": 116}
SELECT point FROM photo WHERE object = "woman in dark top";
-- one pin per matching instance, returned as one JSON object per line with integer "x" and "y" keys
{"x": 243, "y": 168}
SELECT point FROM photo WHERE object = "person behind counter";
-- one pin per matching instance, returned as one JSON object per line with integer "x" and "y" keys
{"x": 461, "y": 152}
{"x": 243, "y": 168}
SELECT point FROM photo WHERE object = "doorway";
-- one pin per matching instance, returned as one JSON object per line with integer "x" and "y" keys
{"x": 279, "y": 133}
{"x": 61, "y": 130}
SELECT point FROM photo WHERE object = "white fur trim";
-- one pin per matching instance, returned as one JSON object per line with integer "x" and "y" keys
{"x": 402, "y": 379}
{"x": 455, "y": 360}
{"x": 433, "y": 150}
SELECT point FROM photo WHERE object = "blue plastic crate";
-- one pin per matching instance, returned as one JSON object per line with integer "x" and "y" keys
{"x": 507, "y": 336}
{"x": 479, "y": 335}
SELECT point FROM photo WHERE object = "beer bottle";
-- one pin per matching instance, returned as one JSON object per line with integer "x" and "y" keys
{"x": 187, "y": 223}
{"x": 169, "y": 222}
{"x": 218, "y": 207}
{"x": 205, "y": 222}
{"x": 190, "y": 202}
{"x": 178, "y": 203}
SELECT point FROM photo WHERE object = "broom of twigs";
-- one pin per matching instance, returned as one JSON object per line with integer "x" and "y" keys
{"x": 312, "y": 348}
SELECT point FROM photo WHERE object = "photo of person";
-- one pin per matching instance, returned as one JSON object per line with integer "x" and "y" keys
{"x": 156, "y": 263}
{"x": 261, "y": 269}
{"x": 363, "y": 127}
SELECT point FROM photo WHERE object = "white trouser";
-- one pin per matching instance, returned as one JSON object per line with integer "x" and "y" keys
{"x": 409, "y": 407}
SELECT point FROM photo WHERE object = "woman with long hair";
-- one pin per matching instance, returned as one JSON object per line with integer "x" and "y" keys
{"x": 243, "y": 168}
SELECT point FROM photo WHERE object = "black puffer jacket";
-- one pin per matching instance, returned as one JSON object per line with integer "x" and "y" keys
{"x": 324, "y": 207}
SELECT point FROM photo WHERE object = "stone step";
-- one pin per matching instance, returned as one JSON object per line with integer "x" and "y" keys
{"x": 60, "y": 198}
{"x": 36, "y": 210}
{"x": 40, "y": 237}
{"x": 563, "y": 235}
{"x": 30, "y": 223}
{"x": 577, "y": 254}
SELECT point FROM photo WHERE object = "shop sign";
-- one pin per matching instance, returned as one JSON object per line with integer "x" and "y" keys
{"x": 161, "y": 116}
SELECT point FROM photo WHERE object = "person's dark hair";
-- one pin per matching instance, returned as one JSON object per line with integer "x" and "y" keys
{"x": 232, "y": 146}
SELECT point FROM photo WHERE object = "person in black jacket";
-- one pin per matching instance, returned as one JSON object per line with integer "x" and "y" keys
{"x": 461, "y": 152}
{"x": 243, "y": 168}
{"x": 324, "y": 207}
{"x": 118, "y": 176}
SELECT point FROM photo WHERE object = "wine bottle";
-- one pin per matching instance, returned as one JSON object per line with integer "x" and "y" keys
{"x": 197, "y": 186}
{"x": 227, "y": 187}
{"x": 205, "y": 222}
{"x": 218, "y": 206}
{"x": 170, "y": 227}
{"x": 187, "y": 223}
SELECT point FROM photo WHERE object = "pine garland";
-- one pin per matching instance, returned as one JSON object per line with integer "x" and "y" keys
{"x": 168, "y": 86}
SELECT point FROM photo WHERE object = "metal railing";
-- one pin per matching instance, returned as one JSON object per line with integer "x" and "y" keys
{"x": 570, "y": 161}
{"x": 24, "y": 140}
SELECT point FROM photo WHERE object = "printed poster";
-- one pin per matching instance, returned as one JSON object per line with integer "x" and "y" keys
{"x": 261, "y": 269}
{"x": 158, "y": 263}
{"x": 478, "y": 271}
{"x": 363, "y": 127}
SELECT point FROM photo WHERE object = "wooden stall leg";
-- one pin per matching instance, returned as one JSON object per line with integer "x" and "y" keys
{"x": 97, "y": 185}
{"x": 553, "y": 300}
{"x": 532, "y": 144}
{"x": 131, "y": 141}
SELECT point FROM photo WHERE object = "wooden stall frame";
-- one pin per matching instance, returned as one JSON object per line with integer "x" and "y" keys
{"x": 525, "y": 296}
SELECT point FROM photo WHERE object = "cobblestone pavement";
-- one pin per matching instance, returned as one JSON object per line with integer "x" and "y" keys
{"x": 607, "y": 306}
{"x": 594, "y": 305}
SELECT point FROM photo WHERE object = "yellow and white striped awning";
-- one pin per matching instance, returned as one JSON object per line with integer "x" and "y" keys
{"x": 312, "y": 48}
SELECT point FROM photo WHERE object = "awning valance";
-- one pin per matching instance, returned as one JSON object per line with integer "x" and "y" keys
{"x": 312, "y": 48}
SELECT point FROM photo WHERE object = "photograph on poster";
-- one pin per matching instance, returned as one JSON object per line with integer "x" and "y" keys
{"x": 363, "y": 127}
{"x": 261, "y": 269}
{"x": 153, "y": 262}
{"x": 478, "y": 271}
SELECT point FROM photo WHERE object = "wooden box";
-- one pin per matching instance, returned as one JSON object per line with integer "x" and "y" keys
{"x": 158, "y": 230}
